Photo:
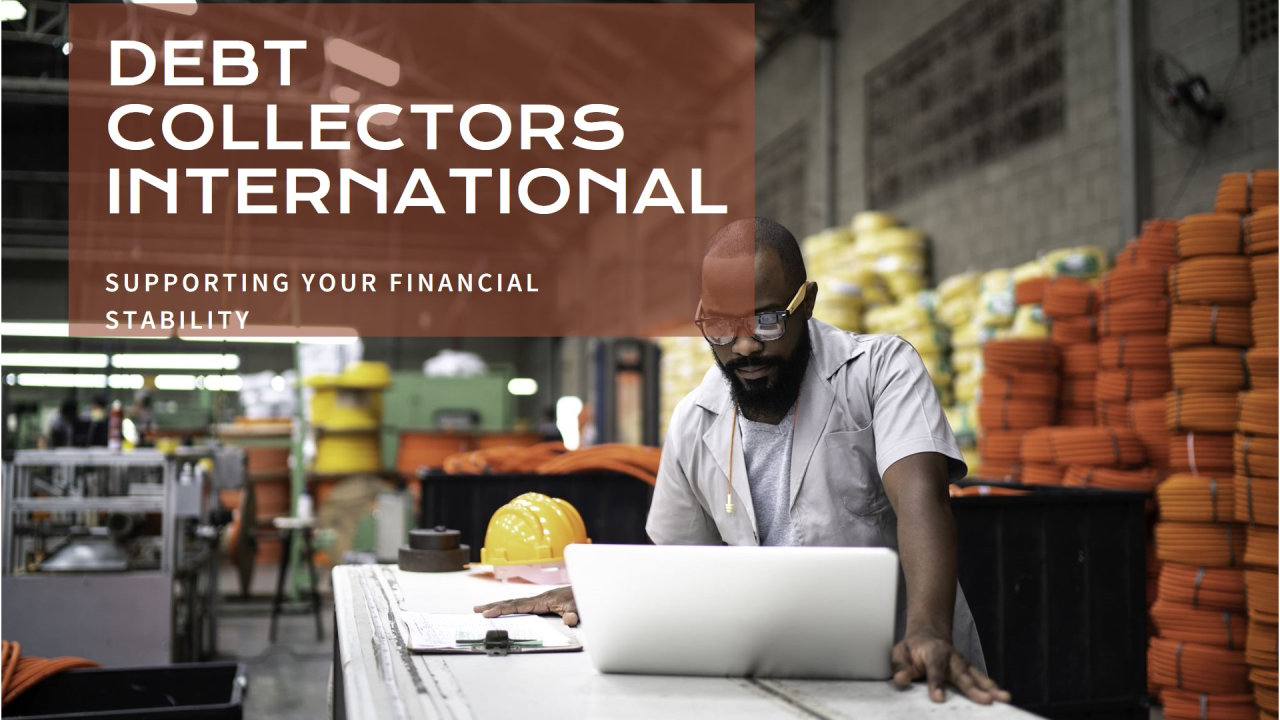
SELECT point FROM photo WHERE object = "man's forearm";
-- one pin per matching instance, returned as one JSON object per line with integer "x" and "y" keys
{"x": 926, "y": 540}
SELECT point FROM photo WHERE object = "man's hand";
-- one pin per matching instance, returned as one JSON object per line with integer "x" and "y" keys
{"x": 923, "y": 654}
{"x": 558, "y": 601}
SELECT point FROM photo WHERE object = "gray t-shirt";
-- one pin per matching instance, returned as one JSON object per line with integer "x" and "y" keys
{"x": 767, "y": 451}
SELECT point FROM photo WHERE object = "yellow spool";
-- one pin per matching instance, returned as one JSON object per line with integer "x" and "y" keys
{"x": 347, "y": 454}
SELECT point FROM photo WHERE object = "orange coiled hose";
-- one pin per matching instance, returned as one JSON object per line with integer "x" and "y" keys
{"x": 1264, "y": 693}
{"x": 982, "y": 491}
{"x": 1266, "y": 329}
{"x": 637, "y": 461}
{"x": 1140, "y": 315}
{"x": 1078, "y": 416}
{"x": 1014, "y": 414}
{"x": 1263, "y": 365}
{"x": 1009, "y": 356}
{"x": 1001, "y": 446}
{"x": 1217, "y": 588}
{"x": 1127, "y": 385}
{"x": 1073, "y": 330}
{"x": 1117, "y": 415}
{"x": 1142, "y": 480}
{"x": 502, "y": 459}
{"x": 1030, "y": 291}
{"x": 1203, "y": 626}
{"x": 20, "y": 673}
{"x": 1135, "y": 281}
{"x": 1260, "y": 645}
{"x": 1263, "y": 270}
{"x": 999, "y": 472}
{"x": 1187, "y": 705}
{"x": 1245, "y": 191}
{"x": 1149, "y": 350}
{"x": 1258, "y": 412}
{"x": 1069, "y": 297}
{"x": 1146, "y": 417}
{"x": 1200, "y": 453}
{"x": 1261, "y": 547}
{"x": 1019, "y": 384}
{"x": 1260, "y": 589}
{"x": 1212, "y": 279}
{"x": 1200, "y": 544}
{"x": 1255, "y": 456}
{"x": 1256, "y": 500}
{"x": 1201, "y": 668}
{"x": 1196, "y": 498}
{"x": 1209, "y": 325}
{"x": 1080, "y": 359}
{"x": 1210, "y": 367}
{"x": 1083, "y": 445}
{"x": 1214, "y": 233}
{"x": 1042, "y": 474}
{"x": 1261, "y": 231}
{"x": 1211, "y": 411}
{"x": 1079, "y": 391}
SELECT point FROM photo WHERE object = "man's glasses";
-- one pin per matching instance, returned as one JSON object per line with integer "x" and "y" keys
{"x": 765, "y": 326}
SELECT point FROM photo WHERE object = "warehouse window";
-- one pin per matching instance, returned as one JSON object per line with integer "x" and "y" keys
{"x": 1257, "y": 23}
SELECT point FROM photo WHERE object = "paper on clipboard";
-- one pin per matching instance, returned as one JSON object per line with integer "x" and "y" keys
{"x": 440, "y": 631}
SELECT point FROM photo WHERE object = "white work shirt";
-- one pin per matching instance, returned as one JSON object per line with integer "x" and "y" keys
{"x": 866, "y": 402}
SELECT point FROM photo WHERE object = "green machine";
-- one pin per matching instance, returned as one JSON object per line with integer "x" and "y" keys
{"x": 417, "y": 402}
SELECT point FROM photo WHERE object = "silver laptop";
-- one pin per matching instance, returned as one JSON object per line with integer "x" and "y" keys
{"x": 799, "y": 612}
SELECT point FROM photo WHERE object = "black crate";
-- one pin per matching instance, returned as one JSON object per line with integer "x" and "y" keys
{"x": 613, "y": 506}
{"x": 196, "y": 691}
{"x": 1056, "y": 580}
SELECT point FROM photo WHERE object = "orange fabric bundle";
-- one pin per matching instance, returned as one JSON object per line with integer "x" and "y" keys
{"x": 635, "y": 460}
{"x": 1263, "y": 364}
{"x": 1020, "y": 384}
{"x": 1069, "y": 297}
{"x": 1214, "y": 233}
{"x": 1143, "y": 480}
{"x": 1256, "y": 500}
{"x": 1202, "y": 626}
{"x": 1255, "y": 456}
{"x": 1187, "y": 705}
{"x": 1211, "y": 411}
{"x": 1260, "y": 589}
{"x": 1117, "y": 415}
{"x": 1260, "y": 645}
{"x": 1030, "y": 291}
{"x": 1002, "y": 414}
{"x": 1146, "y": 417}
{"x": 21, "y": 673}
{"x": 1261, "y": 231}
{"x": 1263, "y": 320}
{"x": 1134, "y": 351}
{"x": 1261, "y": 547}
{"x": 1136, "y": 281}
{"x": 1200, "y": 544}
{"x": 1264, "y": 270}
{"x": 1078, "y": 416}
{"x": 1079, "y": 391}
{"x": 1042, "y": 474}
{"x": 1200, "y": 453}
{"x": 1201, "y": 668}
{"x": 999, "y": 472}
{"x": 1210, "y": 367}
{"x": 1127, "y": 385}
{"x": 1080, "y": 359}
{"x": 1196, "y": 498}
{"x": 1083, "y": 445}
{"x": 1217, "y": 588}
{"x": 1209, "y": 325}
{"x": 1258, "y": 412}
{"x": 1140, "y": 315}
{"x": 1010, "y": 356}
{"x": 1246, "y": 191}
{"x": 1212, "y": 279}
{"x": 1001, "y": 446}
{"x": 1073, "y": 330}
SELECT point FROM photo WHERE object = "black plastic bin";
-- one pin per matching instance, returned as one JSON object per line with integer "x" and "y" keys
{"x": 196, "y": 691}
{"x": 613, "y": 506}
{"x": 1056, "y": 580}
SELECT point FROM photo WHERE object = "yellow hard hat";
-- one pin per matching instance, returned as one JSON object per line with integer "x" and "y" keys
{"x": 532, "y": 529}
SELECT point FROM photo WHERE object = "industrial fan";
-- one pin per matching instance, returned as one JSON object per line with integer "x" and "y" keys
{"x": 1182, "y": 102}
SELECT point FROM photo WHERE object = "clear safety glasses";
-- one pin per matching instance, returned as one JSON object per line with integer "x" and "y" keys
{"x": 765, "y": 326}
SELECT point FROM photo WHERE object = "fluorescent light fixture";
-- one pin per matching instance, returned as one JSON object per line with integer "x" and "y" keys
{"x": 175, "y": 382}
{"x": 125, "y": 382}
{"x": 278, "y": 384}
{"x": 54, "y": 360}
{"x": 522, "y": 386}
{"x": 12, "y": 10}
{"x": 567, "y": 410}
{"x": 181, "y": 7}
{"x": 66, "y": 47}
{"x": 279, "y": 334}
{"x": 360, "y": 61}
{"x": 223, "y": 383}
{"x": 33, "y": 329}
{"x": 344, "y": 95}
{"x": 73, "y": 380}
{"x": 175, "y": 361}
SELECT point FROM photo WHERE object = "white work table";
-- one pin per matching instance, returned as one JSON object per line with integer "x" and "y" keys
{"x": 376, "y": 677}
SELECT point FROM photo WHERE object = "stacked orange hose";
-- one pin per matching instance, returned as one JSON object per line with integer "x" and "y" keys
{"x": 1256, "y": 500}
{"x": 1210, "y": 325}
{"x": 1211, "y": 234}
{"x": 1004, "y": 472}
{"x": 1013, "y": 414}
{"x": 1260, "y": 645}
{"x": 1142, "y": 480}
{"x": 1021, "y": 384}
{"x": 1260, "y": 589}
{"x": 1078, "y": 416}
{"x": 1218, "y": 588}
{"x": 1246, "y": 191}
{"x": 1261, "y": 546}
{"x": 1263, "y": 269}
{"x": 1266, "y": 329}
{"x": 1209, "y": 411}
{"x": 1187, "y": 705}
{"x": 1210, "y": 367}
{"x": 1083, "y": 445}
{"x": 1264, "y": 693}
{"x": 1069, "y": 297}
{"x": 1199, "y": 668}
{"x": 1200, "y": 453}
{"x": 1196, "y": 498}
{"x": 1134, "y": 351}
{"x": 1261, "y": 231}
{"x": 1146, "y": 417}
{"x": 1200, "y": 544}
{"x": 1140, "y": 315}
{"x": 1079, "y": 391}
{"x": 1212, "y": 279}
{"x": 1042, "y": 474}
{"x": 1255, "y": 456}
{"x": 1218, "y": 628}
{"x": 1136, "y": 281}
{"x": 1258, "y": 412}
{"x": 982, "y": 491}
{"x": 502, "y": 459}
{"x": 1127, "y": 385}
{"x": 1001, "y": 446}
{"x": 1117, "y": 415}
{"x": 1008, "y": 356}
{"x": 1080, "y": 359}
{"x": 1073, "y": 330}
{"x": 20, "y": 673}
{"x": 550, "y": 458}
{"x": 1263, "y": 366}
{"x": 1030, "y": 291}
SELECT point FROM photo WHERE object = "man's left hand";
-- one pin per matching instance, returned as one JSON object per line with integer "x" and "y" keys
{"x": 924, "y": 654}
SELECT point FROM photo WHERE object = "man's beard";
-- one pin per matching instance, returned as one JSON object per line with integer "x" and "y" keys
{"x": 765, "y": 397}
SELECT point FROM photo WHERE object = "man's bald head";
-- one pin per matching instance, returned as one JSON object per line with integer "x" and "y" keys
{"x": 757, "y": 236}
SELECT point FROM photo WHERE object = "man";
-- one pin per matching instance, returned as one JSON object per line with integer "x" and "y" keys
{"x": 840, "y": 440}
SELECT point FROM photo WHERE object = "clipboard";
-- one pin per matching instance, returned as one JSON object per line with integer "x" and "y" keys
{"x": 455, "y": 635}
